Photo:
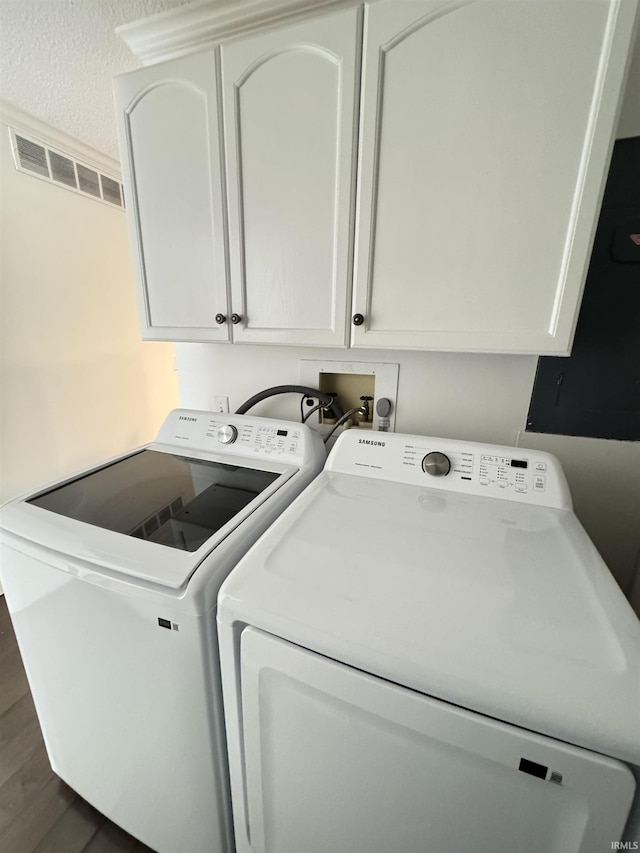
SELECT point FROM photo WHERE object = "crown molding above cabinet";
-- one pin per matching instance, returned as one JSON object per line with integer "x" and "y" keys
{"x": 196, "y": 26}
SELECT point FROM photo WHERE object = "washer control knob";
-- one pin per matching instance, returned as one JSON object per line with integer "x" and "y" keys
{"x": 436, "y": 464}
{"x": 227, "y": 434}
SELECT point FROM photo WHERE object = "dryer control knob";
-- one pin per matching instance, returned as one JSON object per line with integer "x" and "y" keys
{"x": 436, "y": 464}
{"x": 227, "y": 434}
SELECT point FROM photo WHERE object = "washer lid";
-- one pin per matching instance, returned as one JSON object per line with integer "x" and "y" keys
{"x": 502, "y": 607}
{"x": 152, "y": 515}
{"x": 176, "y": 501}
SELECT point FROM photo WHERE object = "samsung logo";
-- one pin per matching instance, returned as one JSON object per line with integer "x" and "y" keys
{"x": 185, "y": 418}
{"x": 373, "y": 443}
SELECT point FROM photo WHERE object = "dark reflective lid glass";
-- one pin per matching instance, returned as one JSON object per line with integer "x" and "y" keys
{"x": 172, "y": 500}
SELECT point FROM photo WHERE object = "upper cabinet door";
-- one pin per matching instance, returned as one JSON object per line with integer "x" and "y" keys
{"x": 169, "y": 137}
{"x": 290, "y": 115}
{"x": 486, "y": 130}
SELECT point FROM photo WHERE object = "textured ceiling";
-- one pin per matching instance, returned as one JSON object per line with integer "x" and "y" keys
{"x": 58, "y": 58}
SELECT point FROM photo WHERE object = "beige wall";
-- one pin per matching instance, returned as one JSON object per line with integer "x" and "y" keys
{"x": 77, "y": 384}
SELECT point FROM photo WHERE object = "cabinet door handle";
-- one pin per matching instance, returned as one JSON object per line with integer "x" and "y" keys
{"x": 220, "y": 319}
{"x": 358, "y": 319}
{"x": 235, "y": 319}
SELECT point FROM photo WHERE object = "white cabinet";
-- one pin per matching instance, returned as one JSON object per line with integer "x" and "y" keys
{"x": 290, "y": 127}
{"x": 290, "y": 142}
{"x": 483, "y": 131}
{"x": 484, "y": 143}
{"x": 170, "y": 145}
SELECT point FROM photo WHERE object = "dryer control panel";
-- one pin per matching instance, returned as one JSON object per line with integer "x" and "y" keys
{"x": 511, "y": 473}
{"x": 241, "y": 435}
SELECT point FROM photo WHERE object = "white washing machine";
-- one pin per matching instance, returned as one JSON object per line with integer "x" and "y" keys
{"x": 426, "y": 653}
{"x": 111, "y": 580}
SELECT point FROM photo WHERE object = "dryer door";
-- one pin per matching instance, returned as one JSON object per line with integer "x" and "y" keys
{"x": 342, "y": 761}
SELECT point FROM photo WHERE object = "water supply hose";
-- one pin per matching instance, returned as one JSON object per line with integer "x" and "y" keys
{"x": 326, "y": 399}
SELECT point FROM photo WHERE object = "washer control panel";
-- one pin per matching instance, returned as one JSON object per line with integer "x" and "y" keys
{"x": 270, "y": 440}
{"x": 240, "y": 435}
{"x": 509, "y": 473}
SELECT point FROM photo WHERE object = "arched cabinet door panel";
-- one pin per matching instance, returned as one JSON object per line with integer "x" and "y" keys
{"x": 485, "y": 135}
{"x": 290, "y": 113}
{"x": 169, "y": 137}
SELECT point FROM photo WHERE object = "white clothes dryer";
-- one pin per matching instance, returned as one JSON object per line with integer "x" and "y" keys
{"x": 111, "y": 579}
{"x": 426, "y": 654}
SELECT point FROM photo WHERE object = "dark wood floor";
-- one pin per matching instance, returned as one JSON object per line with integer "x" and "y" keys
{"x": 38, "y": 812}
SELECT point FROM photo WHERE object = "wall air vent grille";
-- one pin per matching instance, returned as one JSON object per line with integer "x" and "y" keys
{"x": 88, "y": 180}
{"x": 110, "y": 190}
{"x": 35, "y": 158}
{"x": 62, "y": 170}
{"x": 32, "y": 156}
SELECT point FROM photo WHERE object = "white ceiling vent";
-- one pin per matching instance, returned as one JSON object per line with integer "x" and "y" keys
{"x": 36, "y": 158}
